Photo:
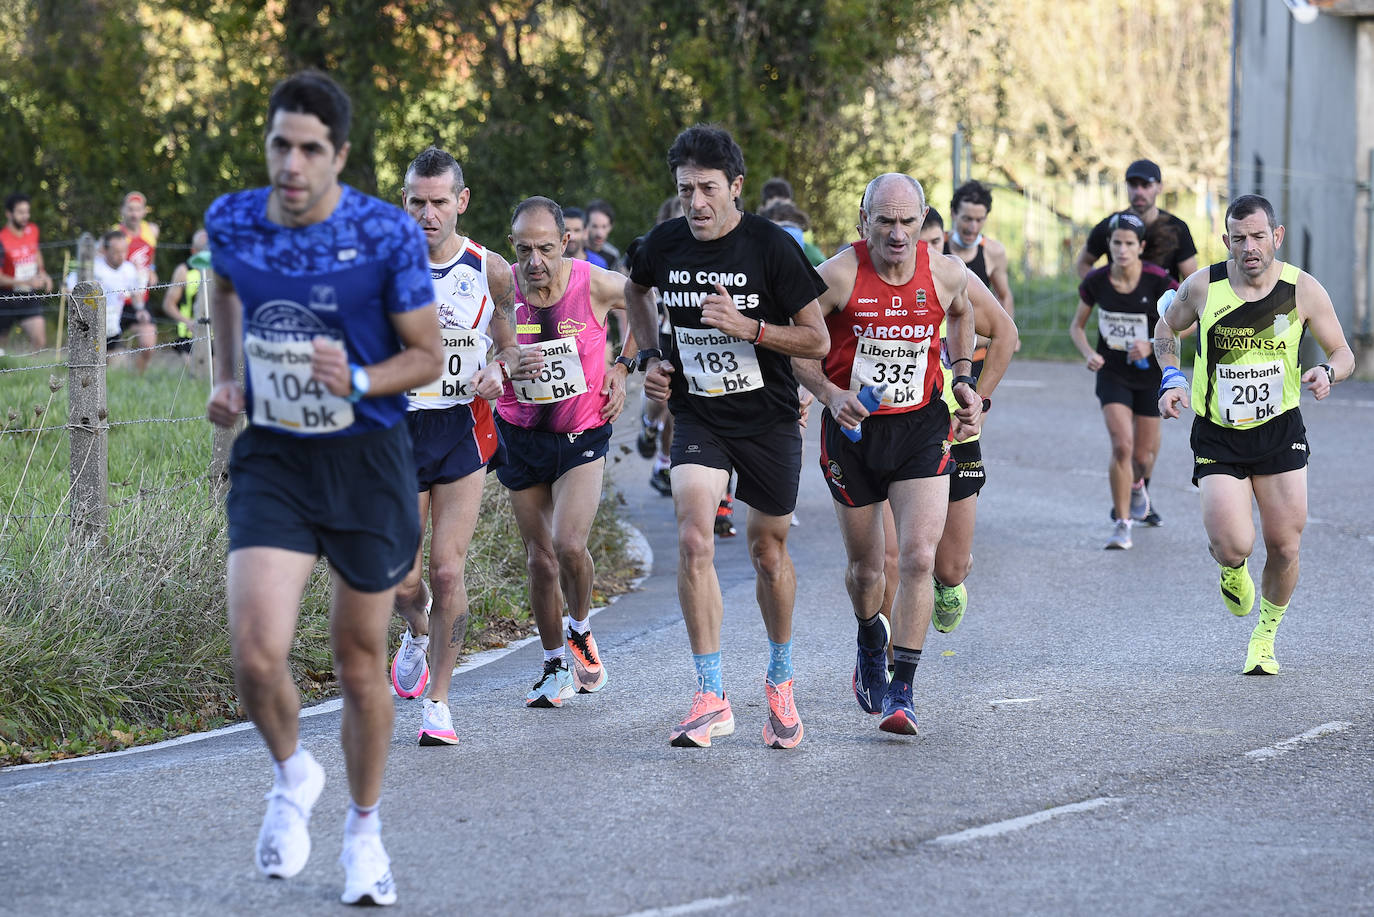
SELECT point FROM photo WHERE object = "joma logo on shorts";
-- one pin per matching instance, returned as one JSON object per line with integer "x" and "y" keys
{"x": 1300, "y": 447}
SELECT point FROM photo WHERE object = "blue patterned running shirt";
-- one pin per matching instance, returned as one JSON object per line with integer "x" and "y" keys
{"x": 340, "y": 278}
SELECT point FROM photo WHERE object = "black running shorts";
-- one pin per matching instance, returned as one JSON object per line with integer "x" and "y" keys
{"x": 350, "y": 498}
{"x": 893, "y": 447}
{"x": 541, "y": 457}
{"x": 1111, "y": 389}
{"x": 1273, "y": 447}
{"x": 968, "y": 475}
{"x": 767, "y": 465}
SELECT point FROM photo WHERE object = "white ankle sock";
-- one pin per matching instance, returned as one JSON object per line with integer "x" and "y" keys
{"x": 363, "y": 819}
{"x": 292, "y": 772}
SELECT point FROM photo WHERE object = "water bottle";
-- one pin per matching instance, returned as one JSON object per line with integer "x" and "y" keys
{"x": 870, "y": 396}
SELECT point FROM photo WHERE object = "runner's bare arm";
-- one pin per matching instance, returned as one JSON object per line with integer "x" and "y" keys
{"x": 226, "y": 321}
{"x": 1079, "y": 336}
{"x": 1085, "y": 262}
{"x": 639, "y": 307}
{"x": 1181, "y": 315}
{"x": 991, "y": 321}
{"x": 1314, "y": 306}
{"x": 608, "y": 295}
{"x": 174, "y": 292}
{"x": 520, "y": 364}
{"x": 999, "y": 277}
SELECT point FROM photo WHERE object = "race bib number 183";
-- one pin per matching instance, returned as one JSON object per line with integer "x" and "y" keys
{"x": 715, "y": 364}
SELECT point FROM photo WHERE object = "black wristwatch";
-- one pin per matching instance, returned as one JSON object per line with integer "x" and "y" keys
{"x": 644, "y": 356}
{"x": 1330, "y": 373}
{"x": 987, "y": 405}
{"x": 967, "y": 380}
{"x": 630, "y": 363}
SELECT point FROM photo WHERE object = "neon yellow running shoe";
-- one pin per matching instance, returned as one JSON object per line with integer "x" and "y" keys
{"x": 950, "y": 604}
{"x": 1259, "y": 659}
{"x": 1237, "y": 589}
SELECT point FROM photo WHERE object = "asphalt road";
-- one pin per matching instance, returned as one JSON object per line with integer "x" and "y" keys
{"x": 1087, "y": 743}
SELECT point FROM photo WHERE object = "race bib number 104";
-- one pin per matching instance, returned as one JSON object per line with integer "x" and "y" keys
{"x": 284, "y": 395}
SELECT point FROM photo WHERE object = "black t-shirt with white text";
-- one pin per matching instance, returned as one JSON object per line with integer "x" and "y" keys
{"x": 736, "y": 388}
{"x": 1168, "y": 242}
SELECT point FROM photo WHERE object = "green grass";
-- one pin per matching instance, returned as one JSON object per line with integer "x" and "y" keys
{"x": 127, "y": 642}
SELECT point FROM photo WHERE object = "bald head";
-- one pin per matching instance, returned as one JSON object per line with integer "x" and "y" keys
{"x": 889, "y": 184}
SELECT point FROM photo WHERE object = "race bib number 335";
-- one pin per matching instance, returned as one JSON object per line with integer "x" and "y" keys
{"x": 284, "y": 395}
{"x": 899, "y": 364}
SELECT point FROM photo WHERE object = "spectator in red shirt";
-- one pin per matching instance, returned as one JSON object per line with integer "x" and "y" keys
{"x": 21, "y": 275}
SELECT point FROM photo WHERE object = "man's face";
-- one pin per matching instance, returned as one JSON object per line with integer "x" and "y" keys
{"x": 708, "y": 200}
{"x": 133, "y": 212}
{"x": 1142, "y": 193}
{"x": 538, "y": 247}
{"x": 577, "y": 236}
{"x": 893, "y": 222}
{"x": 1253, "y": 243}
{"x": 934, "y": 236}
{"x": 115, "y": 251}
{"x": 598, "y": 230}
{"x": 433, "y": 203}
{"x": 19, "y": 216}
{"x": 969, "y": 220}
{"x": 303, "y": 165}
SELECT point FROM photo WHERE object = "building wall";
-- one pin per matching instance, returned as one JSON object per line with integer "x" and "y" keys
{"x": 1295, "y": 134}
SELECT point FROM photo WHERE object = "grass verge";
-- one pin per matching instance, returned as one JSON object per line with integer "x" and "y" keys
{"x": 127, "y": 643}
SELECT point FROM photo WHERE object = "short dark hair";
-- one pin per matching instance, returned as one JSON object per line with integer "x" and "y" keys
{"x": 541, "y": 203}
{"x": 975, "y": 192}
{"x": 786, "y": 212}
{"x": 670, "y": 209}
{"x": 1247, "y": 204}
{"x": 574, "y": 213}
{"x": 433, "y": 162}
{"x": 312, "y": 92}
{"x": 110, "y": 236}
{"x": 1129, "y": 221}
{"x": 933, "y": 218}
{"x": 600, "y": 206}
{"x": 15, "y": 199}
{"x": 775, "y": 188}
{"x": 708, "y": 147}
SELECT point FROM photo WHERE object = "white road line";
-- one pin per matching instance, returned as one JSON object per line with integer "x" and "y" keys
{"x": 692, "y": 907}
{"x": 1013, "y": 700}
{"x": 1021, "y": 383}
{"x": 1287, "y": 745}
{"x": 638, "y": 547}
{"x": 1016, "y": 824}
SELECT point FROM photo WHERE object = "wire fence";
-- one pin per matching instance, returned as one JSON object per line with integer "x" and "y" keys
{"x": 56, "y": 460}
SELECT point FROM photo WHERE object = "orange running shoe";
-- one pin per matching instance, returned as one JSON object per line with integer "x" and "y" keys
{"x": 709, "y": 718}
{"x": 589, "y": 675}
{"x": 784, "y": 727}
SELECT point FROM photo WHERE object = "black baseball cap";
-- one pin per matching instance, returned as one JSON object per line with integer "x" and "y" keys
{"x": 1143, "y": 168}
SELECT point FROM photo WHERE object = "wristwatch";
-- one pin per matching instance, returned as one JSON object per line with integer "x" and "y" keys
{"x": 644, "y": 356}
{"x": 630, "y": 363}
{"x": 967, "y": 380}
{"x": 1330, "y": 373}
{"x": 360, "y": 381}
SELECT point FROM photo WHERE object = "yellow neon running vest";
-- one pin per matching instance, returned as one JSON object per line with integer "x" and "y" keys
{"x": 1246, "y": 373}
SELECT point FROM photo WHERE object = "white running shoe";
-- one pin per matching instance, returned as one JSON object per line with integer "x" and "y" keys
{"x": 1140, "y": 503}
{"x": 436, "y": 726}
{"x": 367, "y": 871}
{"x": 1121, "y": 536}
{"x": 409, "y": 667}
{"x": 284, "y": 839}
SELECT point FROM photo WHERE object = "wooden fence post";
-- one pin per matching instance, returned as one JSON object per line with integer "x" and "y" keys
{"x": 87, "y": 417}
{"x": 200, "y": 329}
